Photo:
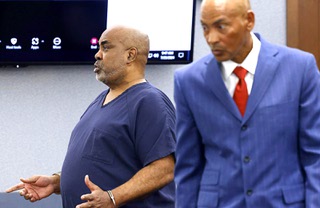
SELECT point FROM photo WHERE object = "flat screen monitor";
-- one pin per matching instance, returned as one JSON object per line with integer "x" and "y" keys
{"x": 67, "y": 31}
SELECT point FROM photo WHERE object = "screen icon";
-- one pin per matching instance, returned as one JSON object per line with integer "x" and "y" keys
{"x": 181, "y": 55}
{"x": 14, "y": 45}
{"x": 35, "y": 43}
{"x": 14, "y": 41}
{"x": 94, "y": 43}
{"x": 56, "y": 43}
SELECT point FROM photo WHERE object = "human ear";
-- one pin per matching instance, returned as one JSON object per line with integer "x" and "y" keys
{"x": 250, "y": 19}
{"x": 132, "y": 54}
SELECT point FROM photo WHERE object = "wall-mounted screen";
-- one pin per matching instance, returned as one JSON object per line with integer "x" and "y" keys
{"x": 67, "y": 31}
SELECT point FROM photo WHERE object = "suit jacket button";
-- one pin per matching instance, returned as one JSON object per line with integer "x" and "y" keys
{"x": 249, "y": 192}
{"x": 244, "y": 127}
{"x": 246, "y": 159}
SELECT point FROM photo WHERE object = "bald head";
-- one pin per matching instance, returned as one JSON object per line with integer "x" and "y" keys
{"x": 131, "y": 37}
{"x": 235, "y": 7}
{"x": 227, "y": 25}
{"x": 242, "y": 3}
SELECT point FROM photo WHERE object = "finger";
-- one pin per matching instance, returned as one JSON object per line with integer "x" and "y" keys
{"x": 15, "y": 188}
{"x": 87, "y": 197}
{"x": 32, "y": 195}
{"x": 84, "y": 205}
{"x": 33, "y": 199}
{"x": 27, "y": 196}
{"x": 23, "y": 192}
{"x": 89, "y": 184}
{"x": 32, "y": 179}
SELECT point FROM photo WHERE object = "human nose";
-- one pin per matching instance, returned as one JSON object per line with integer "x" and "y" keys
{"x": 212, "y": 37}
{"x": 97, "y": 56}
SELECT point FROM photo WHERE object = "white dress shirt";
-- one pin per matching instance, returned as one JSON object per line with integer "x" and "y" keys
{"x": 250, "y": 64}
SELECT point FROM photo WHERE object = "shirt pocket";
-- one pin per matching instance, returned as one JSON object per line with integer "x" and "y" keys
{"x": 100, "y": 147}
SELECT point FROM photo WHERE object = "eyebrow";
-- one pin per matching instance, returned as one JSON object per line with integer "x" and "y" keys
{"x": 104, "y": 42}
{"x": 218, "y": 21}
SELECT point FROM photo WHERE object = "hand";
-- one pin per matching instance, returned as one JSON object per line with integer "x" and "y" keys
{"x": 36, "y": 187}
{"x": 97, "y": 199}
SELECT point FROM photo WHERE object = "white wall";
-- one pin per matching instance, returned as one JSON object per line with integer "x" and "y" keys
{"x": 39, "y": 105}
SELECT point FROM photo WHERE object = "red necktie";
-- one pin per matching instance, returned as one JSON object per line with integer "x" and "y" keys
{"x": 240, "y": 95}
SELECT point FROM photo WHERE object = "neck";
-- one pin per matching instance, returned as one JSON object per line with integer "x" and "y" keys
{"x": 245, "y": 51}
{"x": 127, "y": 84}
{"x": 115, "y": 91}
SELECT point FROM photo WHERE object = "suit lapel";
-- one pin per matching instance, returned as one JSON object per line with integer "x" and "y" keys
{"x": 265, "y": 72}
{"x": 266, "y": 68}
{"x": 212, "y": 77}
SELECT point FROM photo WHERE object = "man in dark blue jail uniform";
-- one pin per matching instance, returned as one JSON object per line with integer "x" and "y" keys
{"x": 124, "y": 141}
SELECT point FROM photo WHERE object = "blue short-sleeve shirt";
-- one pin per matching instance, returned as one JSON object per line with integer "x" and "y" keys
{"x": 113, "y": 142}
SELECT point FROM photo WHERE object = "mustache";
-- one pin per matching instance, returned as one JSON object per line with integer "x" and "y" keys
{"x": 216, "y": 46}
{"x": 97, "y": 64}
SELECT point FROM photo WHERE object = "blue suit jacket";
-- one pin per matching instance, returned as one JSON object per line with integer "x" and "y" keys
{"x": 268, "y": 158}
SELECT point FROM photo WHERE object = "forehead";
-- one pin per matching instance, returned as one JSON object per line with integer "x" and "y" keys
{"x": 217, "y": 9}
{"x": 109, "y": 37}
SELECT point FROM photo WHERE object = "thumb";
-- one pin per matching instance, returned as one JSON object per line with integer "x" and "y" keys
{"x": 90, "y": 184}
{"x": 32, "y": 179}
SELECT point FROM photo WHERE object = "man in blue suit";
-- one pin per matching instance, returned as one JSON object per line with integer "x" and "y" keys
{"x": 263, "y": 154}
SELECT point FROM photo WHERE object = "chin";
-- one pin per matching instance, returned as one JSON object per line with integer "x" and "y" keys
{"x": 99, "y": 78}
{"x": 221, "y": 59}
